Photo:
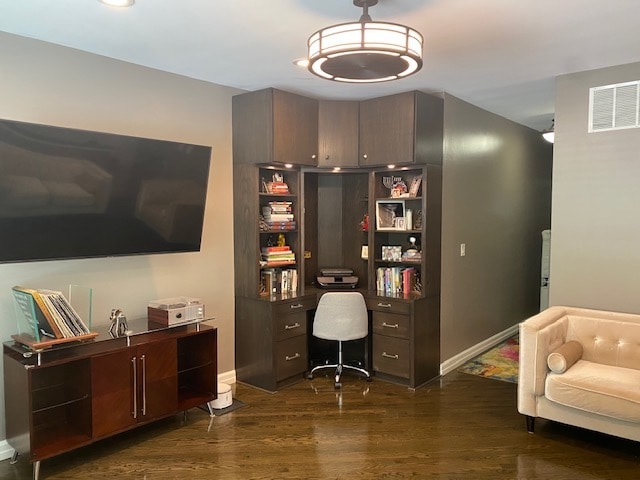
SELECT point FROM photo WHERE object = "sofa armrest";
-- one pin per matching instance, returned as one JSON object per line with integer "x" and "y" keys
{"x": 539, "y": 336}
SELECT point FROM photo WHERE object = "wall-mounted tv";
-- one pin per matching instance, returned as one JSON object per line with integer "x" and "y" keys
{"x": 67, "y": 193}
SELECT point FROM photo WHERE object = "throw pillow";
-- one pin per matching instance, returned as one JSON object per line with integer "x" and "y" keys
{"x": 564, "y": 356}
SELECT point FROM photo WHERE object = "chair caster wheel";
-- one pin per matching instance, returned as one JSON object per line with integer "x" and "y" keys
{"x": 337, "y": 385}
{"x": 369, "y": 379}
{"x": 309, "y": 376}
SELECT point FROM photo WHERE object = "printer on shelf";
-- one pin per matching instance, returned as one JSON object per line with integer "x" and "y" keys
{"x": 336, "y": 278}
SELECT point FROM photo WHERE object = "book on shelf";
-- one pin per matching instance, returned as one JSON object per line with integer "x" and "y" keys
{"x": 396, "y": 280}
{"x": 275, "y": 249}
{"x": 278, "y": 217}
{"x": 51, "y": 316}
{"x": 276, "y": 281}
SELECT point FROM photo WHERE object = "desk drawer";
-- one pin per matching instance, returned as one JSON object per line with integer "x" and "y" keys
{"x": 292, "y": 325}
{"x": 391, "y": 324}
{"x": 391, "y": 356}
{"x": 293, "y": 306}
{"x": 291, "y": 357}
{"x": 388, "y": 305}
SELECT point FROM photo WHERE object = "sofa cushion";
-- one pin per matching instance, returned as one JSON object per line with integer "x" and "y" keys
{"x": 564, "y": 356}
{"x": 597, "y": 388}
{"x": 20, "y": 191}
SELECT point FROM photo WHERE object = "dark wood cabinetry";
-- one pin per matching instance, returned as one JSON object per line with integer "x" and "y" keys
{"x": 271, "y": 340}
{"x": 271, "y": 125}
{"x": 331, "y": 210}
{"x": 338, "y": 133}
{"x": 67, "y": 397}
{"x": 401, "y": 129}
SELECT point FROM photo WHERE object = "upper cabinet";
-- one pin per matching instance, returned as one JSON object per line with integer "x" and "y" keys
{"x": 271, "y": 125}
{"x": 405, "y": 128}
{"x": 338, "y": 133}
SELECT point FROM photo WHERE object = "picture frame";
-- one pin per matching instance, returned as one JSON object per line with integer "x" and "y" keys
{"x": 391, "y": 253}
{"x": 400, "y": 223}
{"x": 387, "y": 211}
{"x": 414, "y": 186}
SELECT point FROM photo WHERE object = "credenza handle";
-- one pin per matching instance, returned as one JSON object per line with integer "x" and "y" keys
{"x": 144, "y": 384}
{"x": 293, "y": 357}
{"x": 291, "y": 327}
{"x": 389, "y": 325}
{"x": 295, "y": 305}
{"x": 384, "y": 305}
{"x": 134, "y": 361}
{"x": 387, "y": 355}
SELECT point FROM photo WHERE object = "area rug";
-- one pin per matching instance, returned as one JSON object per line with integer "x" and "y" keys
{"x": 499, "y": 363}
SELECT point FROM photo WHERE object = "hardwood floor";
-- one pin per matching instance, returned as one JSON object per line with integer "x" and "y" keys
{"x": 461, "y": 427}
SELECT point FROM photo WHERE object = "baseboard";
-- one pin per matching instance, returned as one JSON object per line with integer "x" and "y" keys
{"x": 460, "y": 359}
{"x": 228, "y": 377}
{"x": 5, "y": 450}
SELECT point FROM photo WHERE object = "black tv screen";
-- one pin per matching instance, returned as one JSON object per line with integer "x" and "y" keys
{"x": 67, "y": 193}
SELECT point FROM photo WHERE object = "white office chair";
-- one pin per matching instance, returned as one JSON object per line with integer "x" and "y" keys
{"x": 341, "y": 316}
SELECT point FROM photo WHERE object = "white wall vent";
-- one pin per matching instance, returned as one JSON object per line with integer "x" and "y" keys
{"x": 614, "y": 107}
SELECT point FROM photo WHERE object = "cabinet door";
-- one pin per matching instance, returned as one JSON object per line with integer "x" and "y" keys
{"x": 387, "y": 130}
{"x": 158, "y": 379}
{"x": 338, "y": 133}
{"x": 295, "y": 129}
{"x": 113, "y": 387}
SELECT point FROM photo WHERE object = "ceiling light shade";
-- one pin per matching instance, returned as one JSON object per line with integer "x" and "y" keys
{"x": 118, "y": 3}
{"x": 549, "y": 134}
{"x": 365, "y": 51}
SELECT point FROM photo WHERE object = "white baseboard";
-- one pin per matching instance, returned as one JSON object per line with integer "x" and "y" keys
{"x": 5, "y": 450}
{"x": 463, "y": 357}
{"x": 227, "y": 377}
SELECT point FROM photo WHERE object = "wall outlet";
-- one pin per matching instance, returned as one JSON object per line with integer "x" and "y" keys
{"x": 463, "y": 249}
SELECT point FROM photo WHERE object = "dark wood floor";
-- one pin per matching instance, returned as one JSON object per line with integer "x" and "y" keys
{"x": 462, "y": 427}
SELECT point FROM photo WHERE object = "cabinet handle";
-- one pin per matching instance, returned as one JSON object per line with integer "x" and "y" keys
{"x": 291, "y": 327}
{"x": 293, "y": 357}
{"x": 384, "y": 305}
{"x": 365, "y": 156}
{"x": 134, "y": 361}
{"x": 144, "y": 384}
{"x": 295, "y": 305}
{"x": 389, "y": 325}
{"x": 388, "y": 355}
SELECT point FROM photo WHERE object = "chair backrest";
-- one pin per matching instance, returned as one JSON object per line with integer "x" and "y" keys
{"x": 341, "y": 316}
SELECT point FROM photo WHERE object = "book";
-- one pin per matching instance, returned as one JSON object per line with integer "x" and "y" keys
{"x": 275, "y": 249}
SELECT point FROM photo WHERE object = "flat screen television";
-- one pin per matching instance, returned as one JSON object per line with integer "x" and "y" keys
{"x": 67, "y": 193}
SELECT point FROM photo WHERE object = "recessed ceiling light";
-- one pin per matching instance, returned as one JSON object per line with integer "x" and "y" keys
{"x": 118, "y": 3}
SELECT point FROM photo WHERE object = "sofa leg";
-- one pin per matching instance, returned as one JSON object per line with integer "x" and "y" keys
{"x": 531, "y": 421}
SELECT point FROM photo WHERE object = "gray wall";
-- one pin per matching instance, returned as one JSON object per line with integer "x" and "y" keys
{"x": 496, "y": 200}
{"x": 49, "y": 84}
{"x": 596, "y": 200}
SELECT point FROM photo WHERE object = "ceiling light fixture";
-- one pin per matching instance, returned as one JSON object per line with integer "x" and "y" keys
{"x": 365, "y": 51}
{"x": 118, "y": 3}
{"x": 549, "y": 134}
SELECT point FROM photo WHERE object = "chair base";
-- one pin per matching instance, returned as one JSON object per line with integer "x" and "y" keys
{"x": 339, "y": 367}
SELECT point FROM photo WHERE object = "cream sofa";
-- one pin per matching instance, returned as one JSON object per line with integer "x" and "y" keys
{"x": 601, "y": 390}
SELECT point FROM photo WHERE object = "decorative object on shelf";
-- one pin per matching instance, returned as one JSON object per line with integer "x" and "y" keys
{"x": 414, "y": 186}
{"x": 386, "y": 213}
{"x": 391, "y": 253}
{"x": 365, "y": 51}
{"x": 396, "y": 185}
{"x": 408, "y": 219}
{"x": 119, "y": 324}
{"x": 277, "y": 185}
{"x": 364, "y": 252}
{"x": 417, "y": 223}
{"x": 364, "y": 223}
{"x": 412, "y": 253}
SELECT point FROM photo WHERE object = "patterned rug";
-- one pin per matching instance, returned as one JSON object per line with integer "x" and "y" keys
{"x": 499, "y": 363}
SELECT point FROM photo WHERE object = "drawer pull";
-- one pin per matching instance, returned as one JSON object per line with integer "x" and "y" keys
{"x": 384, "y": 305}
{"x": 295, "y": 305}
{"x": 388, "y": 355}
{"x": 291, "y": 327}
{"x": 389, "y": 325}
{"x": 292, "y": 357}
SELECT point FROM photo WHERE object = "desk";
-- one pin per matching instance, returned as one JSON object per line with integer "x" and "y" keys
{"x": 275, "y": 346}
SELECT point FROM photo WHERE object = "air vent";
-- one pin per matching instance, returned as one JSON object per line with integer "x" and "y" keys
{"x": 614, "y": 107}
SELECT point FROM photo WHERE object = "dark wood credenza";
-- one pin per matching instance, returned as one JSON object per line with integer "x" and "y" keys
{"x": 62, "y": 398}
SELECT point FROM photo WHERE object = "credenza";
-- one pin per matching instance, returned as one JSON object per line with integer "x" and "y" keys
{"x": 62, "y": 398}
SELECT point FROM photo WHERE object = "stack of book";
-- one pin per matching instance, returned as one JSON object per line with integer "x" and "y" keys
{"x": 51, "y": 316}
{"x": 278, "y": 256}
{"x": 278, "y": 216}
